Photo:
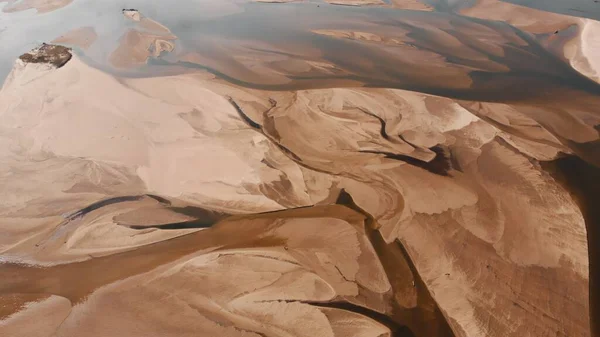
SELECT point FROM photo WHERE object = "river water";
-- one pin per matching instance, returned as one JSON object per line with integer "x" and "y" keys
{"x": 280, "y": 38}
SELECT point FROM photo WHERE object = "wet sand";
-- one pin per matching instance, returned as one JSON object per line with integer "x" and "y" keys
{"x": 368, "y": 172}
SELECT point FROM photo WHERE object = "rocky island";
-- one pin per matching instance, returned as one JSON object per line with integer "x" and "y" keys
{"x": 54, "y": 55}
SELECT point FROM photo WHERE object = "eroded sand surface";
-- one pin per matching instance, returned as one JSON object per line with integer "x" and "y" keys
{"x": 202, "y": 205}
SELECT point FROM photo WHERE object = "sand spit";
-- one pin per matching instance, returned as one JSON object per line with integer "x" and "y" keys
{"x": 525, "y": 18}
{"x": 137, "y": 45}
{"x": 42, "y": 6}
{"x": 449, "y": 192}
{"x": 583, "y": 52}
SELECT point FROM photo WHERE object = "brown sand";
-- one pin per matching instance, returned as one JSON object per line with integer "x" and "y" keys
{"x": 525, "y": 18}
{"x": 136, "y": 46}
{"x": 461, "y": 216}
{"x": 186, "y": 204}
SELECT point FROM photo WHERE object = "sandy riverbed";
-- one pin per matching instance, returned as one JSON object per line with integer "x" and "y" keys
{"x": 193, "y": 204}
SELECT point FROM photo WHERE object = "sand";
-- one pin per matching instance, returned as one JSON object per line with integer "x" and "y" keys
{"x": 183, "y": 139}
{"x": 582, "y": 54}
{"x": 355, "y": 2}
{"x": 185, "y": 204}
{"x": 137, "y": 45}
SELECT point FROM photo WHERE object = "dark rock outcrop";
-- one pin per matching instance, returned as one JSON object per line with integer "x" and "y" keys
{"x": 55, "y": 55}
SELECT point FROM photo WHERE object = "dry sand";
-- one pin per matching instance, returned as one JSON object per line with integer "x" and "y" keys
{"x": 525, "y": 18}
{"x": 186, "y": 205}
{"x": 583, "y": 53}
{"x": 453, "y": 193}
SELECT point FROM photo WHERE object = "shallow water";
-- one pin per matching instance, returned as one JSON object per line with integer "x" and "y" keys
{"x": 278, "y": 40}
{"x": 583, "y": 8}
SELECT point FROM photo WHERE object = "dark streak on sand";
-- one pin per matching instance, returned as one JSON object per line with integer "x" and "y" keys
{"x": 582, "y": 180}
{"x": 245, "y": 117}
{"x": 426, "y": 319}
{"x": 440, "y": 165}
{"x": 100, "y": 204}
{"x": 200, "y": 223}
{"x": 398, "y": 330}
{"x": 382, "y": 122}
{"x": 259, "y": 128}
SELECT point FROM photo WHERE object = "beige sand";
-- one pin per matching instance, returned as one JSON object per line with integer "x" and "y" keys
{"x": 583, "y": 53}
{"x": 138, "y": 45}
{"x": 185, "y": 205}
{"x": 464, "y": 195}
{"x": 525, "y": 18}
